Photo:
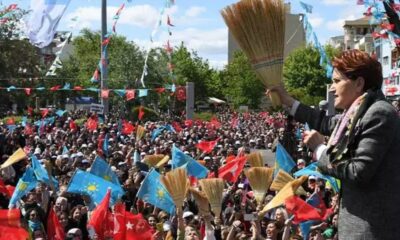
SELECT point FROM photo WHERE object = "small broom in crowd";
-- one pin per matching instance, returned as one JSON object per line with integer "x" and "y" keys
{"x": 260, "y": 179}
{"x": 201, "y": 201}
{"x": 162, "y": 162}
{"x": 259, "y": 28}
{"x": 287, "y": 191}
{"x": 140, "y": 130}
{"x": 176, "y": 182}
{"x": 281, "y": 179}
{"x": 255, "y": 159}
{"x": 153, "y": 160}
{"x": 213, "y": 188}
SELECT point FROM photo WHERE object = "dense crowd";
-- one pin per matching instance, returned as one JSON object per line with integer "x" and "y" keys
{"x": 238, "y": 133}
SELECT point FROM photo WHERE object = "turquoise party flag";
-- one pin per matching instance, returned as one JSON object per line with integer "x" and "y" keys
{"x": 96, "y": 187}
{"x": 153, "y": 192}
{"x": 283, "y": 160}
{"x": 193, "y": 168}
{"x": 25, "y": 184}
{"x": 41, "y": 173}
{"x": 102, "y": 169}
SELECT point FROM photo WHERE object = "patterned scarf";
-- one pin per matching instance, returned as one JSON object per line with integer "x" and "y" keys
{"x": 344, "y": 130}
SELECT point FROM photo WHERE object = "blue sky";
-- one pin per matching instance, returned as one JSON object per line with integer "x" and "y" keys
{"x": 197, "y": 22}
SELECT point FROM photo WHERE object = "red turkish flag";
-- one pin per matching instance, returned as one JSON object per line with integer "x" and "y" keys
{"x": 55, "y": 230}
{"x": 78, "y": 88}
{"x": 91, "y": 124}
{"x": 231, "y": 171}
{"x": 301, "y": 210}
{"x": 28, "y": 129}
{"x": 28, "y": 91}
{"x": 234, "y": 122}
{"x": 215, "y": 123}
{"x": 10, "y": 190}
{"x": 128, "y": 226}
{"x": 207, "y": 146}
{"x": 141, "y": 113}
{"x": 101, "y": 219}
{"x": 30, "y": 111}
{"x": 137, "y": 228}
{"x": 10, "y": 121}
{"x": 72, "y": 125}
{"x": 160, "y": 90}
{"x": 177, "y": 126}
{"x": 55, "y": 88}
{"x": 130, "y": 94}
{"x": 45, "y": 112}
{"x": 127, "y": 128}
{"x": 105, "y": 93}
{"x": 188, "y": 123}
{"x": 181, "y": 93}
{"x": 3, "y": 188}
{"x": 10, "y": 227}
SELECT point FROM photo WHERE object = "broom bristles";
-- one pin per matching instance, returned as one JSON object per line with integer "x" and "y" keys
{"x": 213, "y": 189}
{"x": 176, "y": 182}
{"x": 162, "y": 162}
{"x": 152, "y": 160}
{"x": 281, "y": 179}
{"x": 260, "y": 179}
{"x": 259, "y": 28}
{"x": 202, "y": 201}
{"x": 139, "y": 132}
{"x": 255, "y": 159}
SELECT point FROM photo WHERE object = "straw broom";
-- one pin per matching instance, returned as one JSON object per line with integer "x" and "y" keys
{"x": 176, "y": 182}
{"x": 259, "y": 28}
{"x": 139, "y": 132}
{"x": 152, "y": 160}
{"x": 287, "y": 191}
{"x": 202, "y": 201}
{"x": 255, "y": 159}
{"x": 213, "y": 189}
{"x": 281, "y": 179}
{"x": 260, "y": 179}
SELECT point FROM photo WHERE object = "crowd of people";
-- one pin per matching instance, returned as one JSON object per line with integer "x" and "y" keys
{"x": 238, "y": 133}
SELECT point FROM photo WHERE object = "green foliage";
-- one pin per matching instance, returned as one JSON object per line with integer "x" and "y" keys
{"x": 17, "y": 119}
{"x": 149, "y": 114}
{"x": 189, "y": 67}
{"x": 204, "y": 116}
{"x": 125, "y": 60}
{"x": 240, "y": 84}
{"x": 304, "y": 78}
{"x": 20, "y": 62}
{"x": 80, "y": 121}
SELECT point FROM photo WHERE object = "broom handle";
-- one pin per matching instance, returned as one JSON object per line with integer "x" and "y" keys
{"x": 275, "y": 99}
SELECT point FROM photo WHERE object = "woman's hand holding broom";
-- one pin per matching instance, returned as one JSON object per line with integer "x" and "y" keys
{"x": 284, "y": 96}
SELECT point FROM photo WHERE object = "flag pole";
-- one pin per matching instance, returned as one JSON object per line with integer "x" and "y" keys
{"x": 104, "y": 55}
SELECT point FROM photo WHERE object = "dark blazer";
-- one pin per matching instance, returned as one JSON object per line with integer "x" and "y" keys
{"x": 369, "y": 172}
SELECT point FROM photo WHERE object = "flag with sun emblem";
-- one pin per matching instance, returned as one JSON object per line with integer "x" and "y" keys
{"x": 102, "y": 169}
{"x": 153, "y": 192}
{"x": 25, "y": 184}
{"x": 96, "y": 187}
{"x": 41, "y": 173}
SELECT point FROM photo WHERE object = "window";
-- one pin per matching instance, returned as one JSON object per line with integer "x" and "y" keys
{"x": 385, "y": 60}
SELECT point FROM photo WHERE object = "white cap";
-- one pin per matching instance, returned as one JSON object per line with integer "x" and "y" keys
{"x": 37, "y": 151}
{"x": 187, "y": 214}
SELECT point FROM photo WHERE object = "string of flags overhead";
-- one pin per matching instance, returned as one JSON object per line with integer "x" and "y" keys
{"x": 167, "y": 5}
{"x": 178, "y": 91}
{"x": 324, "y": 60}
